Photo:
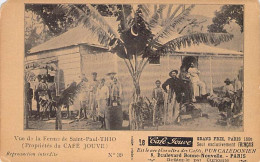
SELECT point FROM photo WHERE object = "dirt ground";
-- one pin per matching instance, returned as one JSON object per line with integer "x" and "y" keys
{"x": 209, "y": 122}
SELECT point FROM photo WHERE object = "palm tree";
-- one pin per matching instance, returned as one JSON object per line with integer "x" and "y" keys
{"x": 143, "y": 33}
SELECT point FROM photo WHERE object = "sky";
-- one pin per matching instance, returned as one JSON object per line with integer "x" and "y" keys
{"x": 205, "y": 10}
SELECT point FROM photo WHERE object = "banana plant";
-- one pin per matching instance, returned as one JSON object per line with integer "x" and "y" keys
{"x": 144, "y": 32}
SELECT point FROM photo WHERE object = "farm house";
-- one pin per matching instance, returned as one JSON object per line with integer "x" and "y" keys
{"x": 77, "y": 52}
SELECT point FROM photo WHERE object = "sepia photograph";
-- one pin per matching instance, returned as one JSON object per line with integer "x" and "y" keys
{"x": 134, "y": 67}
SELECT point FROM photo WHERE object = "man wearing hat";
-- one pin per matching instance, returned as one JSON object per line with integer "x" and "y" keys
{"x": 228, "y": 89}
{"x": 42, "y": 92}
{"x": 93, "y": 85}
{"x": 109, "y": 84}
{"x": 228, "y": 100}
{"x": 175, "y": 85}
{"x": 175, "y": 95}
{"x": 102, "y": 98}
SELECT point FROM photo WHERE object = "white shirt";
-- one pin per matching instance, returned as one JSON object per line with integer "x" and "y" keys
{"x": 194, "y": 74}
{"x": 228, "y": 88}
{"x": 103, "y": 93}
{"x": 83, "y": 91}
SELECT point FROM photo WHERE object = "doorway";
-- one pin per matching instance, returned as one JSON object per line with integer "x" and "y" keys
{"x": 187, "y": 60}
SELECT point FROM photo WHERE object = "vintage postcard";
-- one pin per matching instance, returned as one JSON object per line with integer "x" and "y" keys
{"x": 130, "y": 81}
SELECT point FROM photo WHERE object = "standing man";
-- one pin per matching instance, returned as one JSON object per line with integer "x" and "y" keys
{"x": 83, "y": 97}
{"x": 102, "y": 97}
{"x": 36, "y": 96}
{"x": 116, "y": 93}
{"x": 29, "y": 97}
{"x": 42, "y": 91}
{"x": 195, "y": 80}
{"x": 109, "y": 84}
{"x": 93, "y": 85}
{"x": 188, "y": 90}
{"x": 175, "y": 93}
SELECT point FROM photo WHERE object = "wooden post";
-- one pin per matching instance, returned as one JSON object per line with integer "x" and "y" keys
{"x": 165, "y": 108}
{"x": 168, "y": 59}
{"x": 154, "y": 112}
{"x": 58, "y": 80}
{"x": 58, "y": 124}
{"x": 130, "y": 116}
{"x": 211, "y": 80}
{"x": 81, "y": 62}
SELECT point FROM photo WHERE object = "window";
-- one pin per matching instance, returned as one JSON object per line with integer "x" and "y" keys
{"x": 154, "y": 60}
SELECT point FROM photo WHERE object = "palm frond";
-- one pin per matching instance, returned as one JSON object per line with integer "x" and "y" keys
{"x": 126, "y": 18}
{"x": 70, "y": 9}
{"x": 197, "y": 38}
{"x": 146, "y": 13}
{"x": 172, "y": 24}
{"x": 152, "y": 18}
{"x": 93, "y": 20}
{"x": 68, "y": 96}
{"x": 104, "y": 37}
{"x": 169, "y": 11}
{"x": 156, "y": 16}
{"x": 95, "y": 15}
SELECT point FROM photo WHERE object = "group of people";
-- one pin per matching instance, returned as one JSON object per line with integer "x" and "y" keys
{"x": 233, "y": 93}
{"x": 43, "y": 94}
{"x": 180, "y": 90}
{"x": 96, "y": 95}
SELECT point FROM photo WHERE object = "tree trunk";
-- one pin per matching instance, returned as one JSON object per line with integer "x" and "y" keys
{"x": 134, "y": 115}
{"x": 58, "y": 124}
{"x": 68, "y": 112}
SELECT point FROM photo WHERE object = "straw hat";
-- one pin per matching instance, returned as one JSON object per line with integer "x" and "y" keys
{"x": 111, "y": 73}
{"x": 227, "y": 81}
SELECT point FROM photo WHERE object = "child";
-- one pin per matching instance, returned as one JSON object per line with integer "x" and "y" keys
{"x": 158, "y": 97}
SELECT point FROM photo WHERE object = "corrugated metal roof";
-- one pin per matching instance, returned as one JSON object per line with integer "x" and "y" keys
{"x": 74, "y": 36}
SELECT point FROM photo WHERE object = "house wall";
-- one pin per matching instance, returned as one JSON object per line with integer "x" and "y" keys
{"x": 102, "y": 62}
{"x": 97, "y": 60}
{"x": 150, "y": 74}
{"x": 221, "y": 68}
{"x": 68, "y": 64}
{"x": 94, "y": 60}
{"x": 83, "y": 59}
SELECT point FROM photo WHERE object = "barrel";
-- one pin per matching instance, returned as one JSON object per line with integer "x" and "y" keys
{"x": 114, "y": 117}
